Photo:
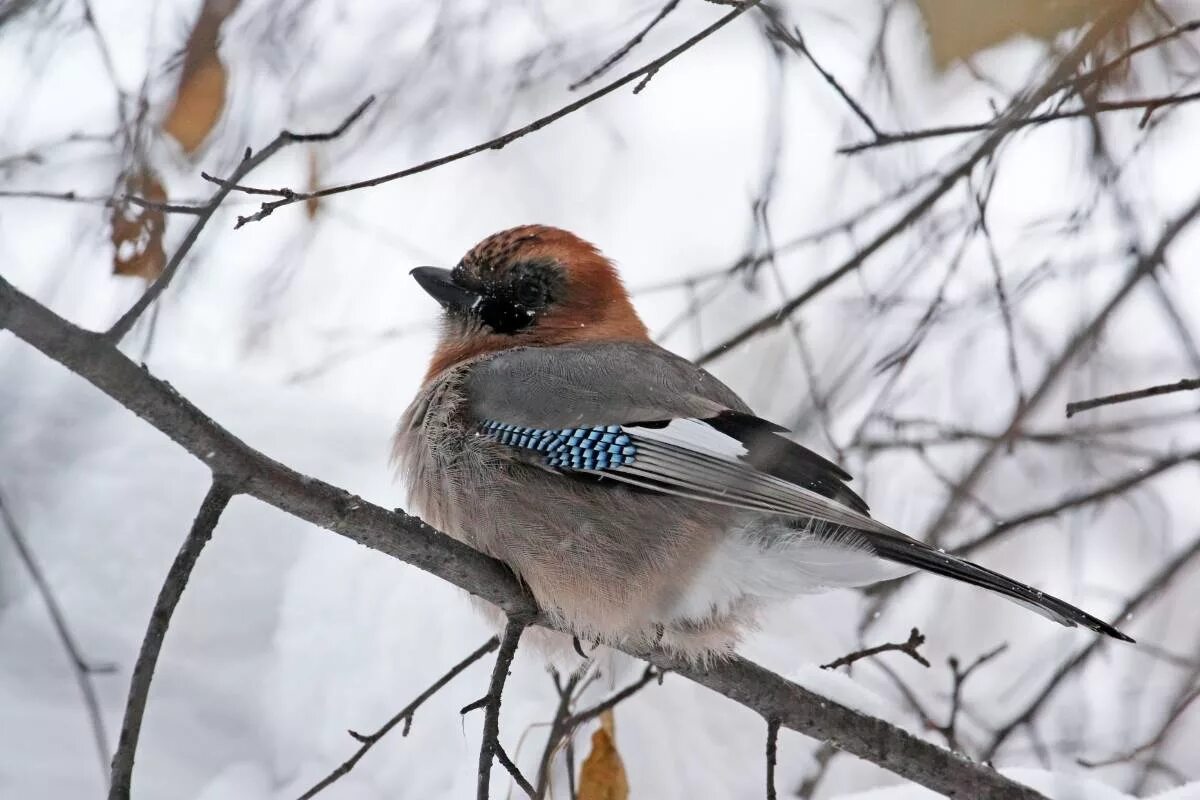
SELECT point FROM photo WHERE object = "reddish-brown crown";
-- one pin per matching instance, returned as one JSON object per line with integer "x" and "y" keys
{"x": 593, "y": 305}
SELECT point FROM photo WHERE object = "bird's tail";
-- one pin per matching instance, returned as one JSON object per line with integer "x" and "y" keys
{"x": 913, "y": 553}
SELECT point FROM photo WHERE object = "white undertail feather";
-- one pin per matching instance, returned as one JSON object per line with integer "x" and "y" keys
{"x": 765, "y": 561}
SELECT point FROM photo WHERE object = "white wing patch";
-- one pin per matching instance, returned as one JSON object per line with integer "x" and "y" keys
{"x": 691, "y": 434}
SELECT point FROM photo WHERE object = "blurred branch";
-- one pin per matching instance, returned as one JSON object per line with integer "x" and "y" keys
{"x": 1164, "y": 730}
{"x": 250, "y": 162}
{"x": 405, "y": 715}
{"x": 1018, "y": 109}
{"x": 1115, "y": 488}
{"x": 1147, "y": 105}
{"x": 642, "y": 74}
{"x": 915, "y": 640}
{"x": 80, "y": 666}
{"x": 623, "y": 51}
{"x": 1185, "y": 385}
{"x": 950, "y": 729}
{"x": 214, "y": 503}
{"x": 1142, "y": 267}
{"x": 1153, "y": 587}
{"x": 406, "y": 538}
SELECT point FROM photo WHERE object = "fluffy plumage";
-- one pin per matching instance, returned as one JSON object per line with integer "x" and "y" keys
{"x": 636, "y": 495}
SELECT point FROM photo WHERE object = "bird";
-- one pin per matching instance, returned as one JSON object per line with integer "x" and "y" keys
{"x": 637, "y": 497}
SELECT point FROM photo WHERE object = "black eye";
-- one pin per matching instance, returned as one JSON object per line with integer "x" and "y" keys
{"x": 530, "y": 294}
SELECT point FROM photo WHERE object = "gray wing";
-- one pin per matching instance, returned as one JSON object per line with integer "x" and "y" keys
{"x": 636, "y": 413}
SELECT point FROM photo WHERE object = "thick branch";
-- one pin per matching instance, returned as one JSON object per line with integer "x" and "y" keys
{"x": 410, "y": 540}
{"x": 156, "y": 630}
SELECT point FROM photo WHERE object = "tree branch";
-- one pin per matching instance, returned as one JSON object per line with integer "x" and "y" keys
{"x": 1185, "y": 385}
{"x": 405, "y": 715}
{"x": 408, "y": 539}
{"x": 206, "y": 520}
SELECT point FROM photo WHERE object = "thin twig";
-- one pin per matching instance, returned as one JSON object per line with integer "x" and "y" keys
{"x": 490, "y": 746}
{"x": 950, "y": 729}
{"x": 564, "y": 725}
{"x": 643, "y": 73}
{"x": 405, "y": 715}
{"x": 214, "y": 503}
{"x": 1163, "y": 731}
{"x": 80, "y": 666}
{"x": 250, "y": 161}
{"x": 915, "y": 640}
{"x": 1115, "y": 488}
{"x": 1185, "y": 385}
{"x": 1146, "y": 105}
{"x": 623, "y": 51}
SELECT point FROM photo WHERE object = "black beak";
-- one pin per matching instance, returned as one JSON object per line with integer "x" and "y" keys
{"x": 439, "y": 284}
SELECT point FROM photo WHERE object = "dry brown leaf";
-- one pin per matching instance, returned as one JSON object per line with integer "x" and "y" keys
{"x": 602, "y": 776}
{"x": 313, "y": 204}
{"x": 959, "y": 29}
{"x": 200, "y": 98}
{"x": 137, "y": 233}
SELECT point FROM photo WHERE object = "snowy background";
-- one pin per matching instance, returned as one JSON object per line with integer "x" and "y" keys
{"x": 304, "y": 336}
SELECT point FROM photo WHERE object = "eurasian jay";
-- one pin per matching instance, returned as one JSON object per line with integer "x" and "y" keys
{"x": 637, "y": 496}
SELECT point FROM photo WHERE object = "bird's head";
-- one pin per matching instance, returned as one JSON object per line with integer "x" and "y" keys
{"x": 528, "y": 286}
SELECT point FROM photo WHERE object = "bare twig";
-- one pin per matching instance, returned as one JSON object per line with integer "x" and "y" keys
{"x": 490, "y": 746}
{"x": 80, "y": 666}
{"x": 623, "y": 51}
{"x": 410, "y": 540}
{"x": 405, "y": 715}
{"x": 950, "y": 729}
{"x": 641, "y": 74}
{"x": 915, "y": 640}
{"x": 1185, "y": 385}
{"x": 565, "y": 723}
{"x": 213, "y": 505}
{"x": 250, "y": 161}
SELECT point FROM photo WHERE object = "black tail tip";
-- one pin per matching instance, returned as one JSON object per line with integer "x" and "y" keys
{"x": 1109, "y": 630}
